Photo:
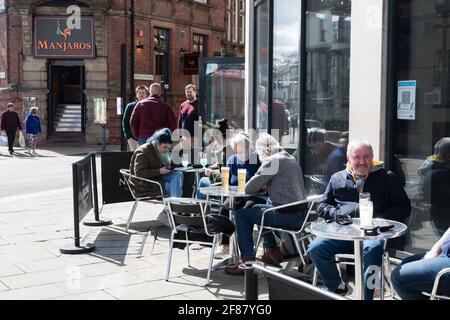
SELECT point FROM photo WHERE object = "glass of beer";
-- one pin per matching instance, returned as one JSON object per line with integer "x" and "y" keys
{"x": 242, "y": 179}
{"x": 225, "y": 173}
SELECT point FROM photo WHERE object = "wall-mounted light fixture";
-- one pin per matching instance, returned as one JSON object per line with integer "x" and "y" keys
{"x": 139, "y": 45}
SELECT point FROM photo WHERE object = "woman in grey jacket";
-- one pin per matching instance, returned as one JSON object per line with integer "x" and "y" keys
{"x": 281, "y": 176}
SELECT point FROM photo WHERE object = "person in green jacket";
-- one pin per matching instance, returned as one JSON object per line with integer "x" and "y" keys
{"x": 152, "y": 161}
{"x": 142, "y": 93}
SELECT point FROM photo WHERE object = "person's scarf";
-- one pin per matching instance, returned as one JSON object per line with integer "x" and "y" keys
{"x": 164, "y": 158}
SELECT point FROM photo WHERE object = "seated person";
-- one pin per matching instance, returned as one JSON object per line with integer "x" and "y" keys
{"x": 243, "y": 158}
{"x": 282, "y": 177}
{"x": 417, "y": 273}
{"x": 152, "y": 161}
{"x": 435, "y": 184}
{"x": 342, "y": 197}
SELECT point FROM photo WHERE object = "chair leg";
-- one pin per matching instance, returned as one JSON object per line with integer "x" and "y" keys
{"x": 154, "y": 239}
{"x": 382, "y": 279}
{"x": 131, "y": 214}
{"x": 211, "y": 258}
{"x": 315, "y": 277}
{"x": 187, "y": 250}
{"x": 258, "y": 240}
{"x": 299, "y": 250}
{"x": 169, "y": 257}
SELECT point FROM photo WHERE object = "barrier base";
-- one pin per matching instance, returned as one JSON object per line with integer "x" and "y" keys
{"x": 97, "y": 223}
{"x": 72, "y": 249}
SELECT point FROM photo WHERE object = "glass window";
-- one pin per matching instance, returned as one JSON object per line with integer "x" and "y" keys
{"x": 224, "y": 93}
{"x": 423, "y": 51}
{"x": 327, "y": 90}
{"x": 200, "y": 44}
{"x": 161, "y": 51}
{"x": 286, "y": 72}
{"x": 262, "y": 65}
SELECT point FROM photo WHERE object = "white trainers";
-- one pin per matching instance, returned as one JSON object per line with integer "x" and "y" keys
{"x": 224, "y": 252}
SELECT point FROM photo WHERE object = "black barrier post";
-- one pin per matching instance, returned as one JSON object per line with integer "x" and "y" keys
{"x": 251, "y": 283}
{"x": 77, "y": 248}
{"x": 97, "y": 222}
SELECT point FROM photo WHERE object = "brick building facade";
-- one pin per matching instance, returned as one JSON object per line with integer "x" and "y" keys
{"x": 165, "y": 31}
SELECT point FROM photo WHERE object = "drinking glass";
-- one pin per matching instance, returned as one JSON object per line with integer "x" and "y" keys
{"x": 185, "y": 160}
{"x": 242, "y": 179}
{"x": 225, "y": 173}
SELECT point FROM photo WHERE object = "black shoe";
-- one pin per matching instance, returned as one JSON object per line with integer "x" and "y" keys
{"x": 11, "y": 152}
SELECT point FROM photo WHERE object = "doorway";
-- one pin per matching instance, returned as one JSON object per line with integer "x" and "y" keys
{"x": 66, "y": 109}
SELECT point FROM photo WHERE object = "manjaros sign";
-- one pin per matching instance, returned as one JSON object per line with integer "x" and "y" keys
{"x": 52, "y": 38}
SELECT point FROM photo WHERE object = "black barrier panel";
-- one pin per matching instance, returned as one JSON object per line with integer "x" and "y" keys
{"x": 114, "y": 190}
{"x": 83, "y": 186}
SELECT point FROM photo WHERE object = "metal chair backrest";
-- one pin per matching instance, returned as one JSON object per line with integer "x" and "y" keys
{"x": 187, "y": 211}
{"x": 127, "y": 176}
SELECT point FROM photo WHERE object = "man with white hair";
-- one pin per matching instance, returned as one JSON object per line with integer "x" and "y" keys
{"x": 281, "y": 176}
{"x": 151, "y": 115}
{"x": 341, "y": 198}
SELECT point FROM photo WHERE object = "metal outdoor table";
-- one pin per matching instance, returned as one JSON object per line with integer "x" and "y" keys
{"x": 197, "y": 172}
{"x": 354, "y": 233}
{"x": 231, "y": 193}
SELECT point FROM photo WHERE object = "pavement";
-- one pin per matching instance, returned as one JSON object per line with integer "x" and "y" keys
{"x": 34, "y": 225}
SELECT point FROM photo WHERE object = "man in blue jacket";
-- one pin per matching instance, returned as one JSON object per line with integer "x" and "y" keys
{"x": 341, "y": 197}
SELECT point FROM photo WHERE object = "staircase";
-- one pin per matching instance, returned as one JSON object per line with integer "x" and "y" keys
{"x": 68, "y": 118}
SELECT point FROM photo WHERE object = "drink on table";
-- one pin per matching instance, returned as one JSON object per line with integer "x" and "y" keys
{"x": 203, "y": 159}
{"x": 242, "y": 179}
{"x": 365, "y": 210}
{"x": 225, "y": 173}
{"x": 185, "y": 161}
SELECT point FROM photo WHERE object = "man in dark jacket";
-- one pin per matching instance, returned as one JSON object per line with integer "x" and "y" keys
{"x": 10, "y": 123}
{"x": 141, "y": 93}
{"x": 341, "y": 197}
{"x": 189, "y": 110}
{"x": 151, "y": 115}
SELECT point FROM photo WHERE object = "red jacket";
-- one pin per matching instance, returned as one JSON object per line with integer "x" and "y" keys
{"x": 150, "y": 115}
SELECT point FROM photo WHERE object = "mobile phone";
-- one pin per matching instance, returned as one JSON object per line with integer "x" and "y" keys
{"x": 386, "y": 228}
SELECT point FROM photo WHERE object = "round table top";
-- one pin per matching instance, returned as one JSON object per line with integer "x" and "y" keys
{"x": 218, "y": 191}
{"x": 189, "y": 169}
{"x": 353, "y": 231}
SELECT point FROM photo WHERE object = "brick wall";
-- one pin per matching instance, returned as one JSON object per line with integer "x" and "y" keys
{"x": 182, "y": 17}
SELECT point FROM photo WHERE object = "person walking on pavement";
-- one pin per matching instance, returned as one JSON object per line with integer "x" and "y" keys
{"x": 150, "y": 115}
{"x": 32, "y": 129}
{"x": 141, "y": 94}
{"x": 10, "y": 123}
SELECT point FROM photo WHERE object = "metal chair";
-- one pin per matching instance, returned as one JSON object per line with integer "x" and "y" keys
{"x": 434, "y": 295}
{"x": 156, "y": 200}
{"x": 185, "y": 214}
{"x": 299, "y": 236}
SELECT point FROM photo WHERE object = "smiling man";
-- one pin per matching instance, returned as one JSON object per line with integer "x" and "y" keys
{"x": 341, "y": 197}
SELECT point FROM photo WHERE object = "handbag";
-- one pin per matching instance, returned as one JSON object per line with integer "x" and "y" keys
{"x": 21, "y": 140}
{"x": 3, "y": 140}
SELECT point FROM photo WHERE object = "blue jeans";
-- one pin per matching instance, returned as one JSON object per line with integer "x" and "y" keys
{"x": 203, "y": 183}
{"x": 415, "y": 275}
{"x": 245, "y": 219}
{"x": 322, "y": 252}
{"x": 173, "y": 184}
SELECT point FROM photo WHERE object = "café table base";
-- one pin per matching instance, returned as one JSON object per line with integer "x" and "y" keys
{"x": 359, "y": 273}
